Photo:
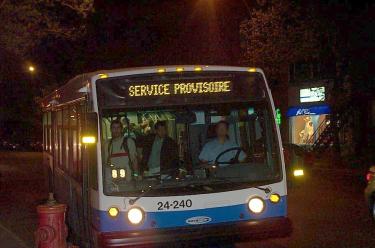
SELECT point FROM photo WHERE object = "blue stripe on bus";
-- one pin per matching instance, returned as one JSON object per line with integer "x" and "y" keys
{"x": 104, "y": 223}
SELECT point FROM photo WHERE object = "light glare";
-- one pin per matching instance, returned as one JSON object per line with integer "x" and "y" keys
{"x": 113, "y": 212}
{"x": 274, "y": 198}
{"x": 135, "y": 216}
{"x": 256, "y": 205}
{"x": 88, "y": 139}
{"x": 103, "y": 75}
{"x": 298, "y": 173}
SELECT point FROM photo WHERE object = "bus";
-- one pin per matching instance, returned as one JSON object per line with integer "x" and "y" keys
{"x": 200, "y": 156}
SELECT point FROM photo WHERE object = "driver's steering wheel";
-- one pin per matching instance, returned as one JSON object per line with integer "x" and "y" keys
{"x": 233, "y": 160}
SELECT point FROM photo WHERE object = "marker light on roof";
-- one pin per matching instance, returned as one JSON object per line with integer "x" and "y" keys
{"x": 103, "y": 75}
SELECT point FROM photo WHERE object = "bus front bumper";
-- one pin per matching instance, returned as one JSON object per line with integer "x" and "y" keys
{"x": 244, "y": 230}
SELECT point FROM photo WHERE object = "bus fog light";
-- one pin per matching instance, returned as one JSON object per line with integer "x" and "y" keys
{"x": 113, "y": 211}
{"x": 256, "y": 205}
{"x": 298, "y": 173}
{"x": 274, "y": 198}
{"x": 135, "y": 216}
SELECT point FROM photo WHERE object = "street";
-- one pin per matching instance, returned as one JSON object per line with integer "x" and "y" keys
{"x": 327, "y": 211}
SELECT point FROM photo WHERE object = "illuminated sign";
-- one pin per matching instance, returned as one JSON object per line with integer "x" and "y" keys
{"x": 312, "y": 110}
{"x": 316, "y": 94}
{"x": 278, "y": 116}
{"x": 182, "y": 88}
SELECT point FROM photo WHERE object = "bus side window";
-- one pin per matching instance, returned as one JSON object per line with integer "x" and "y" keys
{"x": 80, "y": 124}
{"x": 73, "y": 143}
{"x": 92, "y": 163}
{"x": 49, "y": 132}
{"x": 45, "y": 132}
{"x": 59, "y": 138}
{"x": 66, "y": 139}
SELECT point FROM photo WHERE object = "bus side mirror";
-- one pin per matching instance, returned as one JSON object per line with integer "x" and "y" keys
{"x": 90, "y": 133}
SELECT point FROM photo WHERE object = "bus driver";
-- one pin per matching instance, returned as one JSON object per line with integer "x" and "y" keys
{"x": 121, "y": 154}
{"x": 220, "y": 144}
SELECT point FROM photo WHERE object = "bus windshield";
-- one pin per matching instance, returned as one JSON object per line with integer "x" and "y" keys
{"x": 189, "y": 148}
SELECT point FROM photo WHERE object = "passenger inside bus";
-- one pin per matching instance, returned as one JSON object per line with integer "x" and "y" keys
{"x": 174, "y": 145}
{"x": 159, "y": 152}
{"x": 120, "y": 154}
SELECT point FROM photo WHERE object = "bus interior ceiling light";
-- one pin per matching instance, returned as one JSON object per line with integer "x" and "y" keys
{"x": 88, "y": 140}
{"x": 179, "y": 69}
{"x": 298, "y": 172}
{"x": 256, "y": 205}
{"x": 198, "y": 68}
{"x": 161, "y": 70}
{"x": 135, "y": 215}
{"x": 252, "y": 70}
{"x": 113, "y": 211}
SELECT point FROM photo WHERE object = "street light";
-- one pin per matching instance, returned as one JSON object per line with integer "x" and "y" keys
{"x": 31, "y": 68}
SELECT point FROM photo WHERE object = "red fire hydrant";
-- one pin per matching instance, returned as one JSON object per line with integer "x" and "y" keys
{"x": 52, "y": 230}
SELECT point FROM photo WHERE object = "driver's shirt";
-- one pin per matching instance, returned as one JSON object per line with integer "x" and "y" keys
{"x": 213, "y": 148}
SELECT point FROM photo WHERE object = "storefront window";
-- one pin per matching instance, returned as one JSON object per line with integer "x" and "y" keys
{"x": 306, "y": 124}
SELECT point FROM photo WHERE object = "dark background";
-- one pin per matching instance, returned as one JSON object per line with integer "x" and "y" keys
{"x": 140, "y": 33}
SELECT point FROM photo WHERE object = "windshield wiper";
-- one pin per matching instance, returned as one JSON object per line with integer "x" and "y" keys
{"x": 227, "y": 180}
{"x": 194, "y": 183}
{"x": 150, "y": 188}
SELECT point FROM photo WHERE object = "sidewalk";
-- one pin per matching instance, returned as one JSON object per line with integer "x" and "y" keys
{"x": 10, "y": 240}
{"x": 22, "y": 189}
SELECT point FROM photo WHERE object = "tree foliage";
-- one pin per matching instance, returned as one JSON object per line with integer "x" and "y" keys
{"x": 27, "y": 22}
{"x": 278, "y": 35}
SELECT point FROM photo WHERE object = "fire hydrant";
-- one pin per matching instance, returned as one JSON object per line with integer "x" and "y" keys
{"x": 52, "y": 230}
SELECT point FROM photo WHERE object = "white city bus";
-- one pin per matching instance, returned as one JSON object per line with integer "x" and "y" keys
{"x": 113, "y": 205}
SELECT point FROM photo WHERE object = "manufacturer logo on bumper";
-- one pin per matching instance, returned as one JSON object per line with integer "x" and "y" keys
{"x": 198, "y": 220}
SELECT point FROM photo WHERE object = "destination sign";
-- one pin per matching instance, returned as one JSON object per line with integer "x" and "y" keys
{"x": 180, "y": 88}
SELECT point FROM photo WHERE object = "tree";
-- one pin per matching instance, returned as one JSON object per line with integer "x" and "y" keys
{"x": 278, "y": 35}
{"x": 26, "y": 22}
{"x": 25, "y": 26}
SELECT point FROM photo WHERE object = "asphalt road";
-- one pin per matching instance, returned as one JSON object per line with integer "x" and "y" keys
{"x": 328, "y": 210}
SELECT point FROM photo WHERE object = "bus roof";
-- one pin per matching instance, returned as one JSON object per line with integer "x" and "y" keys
{"x": 76, "y": 88}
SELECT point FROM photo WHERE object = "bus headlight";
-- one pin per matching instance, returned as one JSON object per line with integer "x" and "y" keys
{"x": 135, "y": 216}
{"x": 256, "y": 205}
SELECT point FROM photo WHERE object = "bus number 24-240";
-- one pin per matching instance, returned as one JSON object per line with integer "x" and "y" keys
{"x": 174, "y": 204}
